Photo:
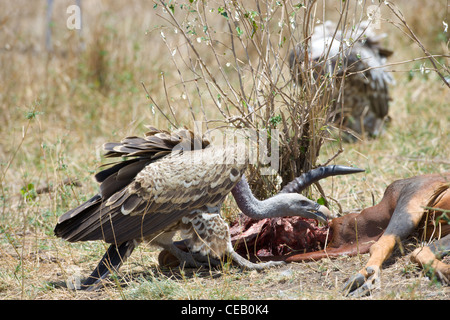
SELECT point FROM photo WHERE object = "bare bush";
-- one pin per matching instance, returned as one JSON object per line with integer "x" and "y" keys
{"x": 233, "y": 57}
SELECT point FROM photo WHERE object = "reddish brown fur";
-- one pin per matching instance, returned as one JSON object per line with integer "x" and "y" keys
{"x": 377, "y": 229}
{"x": 369, "y": 224}
{"x": 434, "y": 224}
{"x": 372, "y": 222}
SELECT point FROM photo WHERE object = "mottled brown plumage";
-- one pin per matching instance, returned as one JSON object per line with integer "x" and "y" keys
{"x": 358, "y": 56}
{"x": 157, "y": 191}
{"x": 158, "y": 196}
{"x": 170, "y": 182}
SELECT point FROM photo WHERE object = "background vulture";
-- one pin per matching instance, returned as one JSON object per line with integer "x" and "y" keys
{"x": 355, "y": 57}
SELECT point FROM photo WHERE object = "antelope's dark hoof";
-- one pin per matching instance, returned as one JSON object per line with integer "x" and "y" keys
{"x": 167, "y": 260}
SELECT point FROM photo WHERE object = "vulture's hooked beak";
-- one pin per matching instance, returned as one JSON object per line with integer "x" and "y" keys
{"x": 322, "y": 213}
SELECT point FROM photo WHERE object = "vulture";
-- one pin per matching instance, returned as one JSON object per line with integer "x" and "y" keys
{"x": 355, "y": 57}
{"x": 166, "y": 182}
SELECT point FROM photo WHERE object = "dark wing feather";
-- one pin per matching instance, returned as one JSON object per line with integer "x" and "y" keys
{"x": 140, "y": 211}
{"x": 98, "y": 217}
{"x": 102, "y": 175}
{"x": 110, "y": 225}
{"x": 122, "y": 177}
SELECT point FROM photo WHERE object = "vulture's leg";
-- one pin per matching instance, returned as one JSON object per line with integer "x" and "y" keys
{"x": 246, "y": 264}
{"x": 428, "y": 257}
{"x": 210, "y": 242}
{"x": 114, "y": 257}
{"x": 211, "y": 237}
{"x": 168, "y": 259}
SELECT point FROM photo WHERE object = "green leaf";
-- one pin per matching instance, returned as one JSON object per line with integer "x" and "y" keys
{"x": 30, "y": 115}
{"x": 239, "y": 31}
{"x": 321, "y": 201}
{"x": 275, "y": 120}
{"x": 223, "y": 12}
{"x": 28, "y": 192}
{"x": 254, "y": 28}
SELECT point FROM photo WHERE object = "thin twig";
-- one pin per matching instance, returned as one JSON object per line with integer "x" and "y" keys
{"x": 153, "y": 101}
{"x": 413, "y": 36}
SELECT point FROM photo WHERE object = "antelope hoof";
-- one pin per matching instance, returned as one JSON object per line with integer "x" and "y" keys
{"x": 360, "y": 286}
{"x": 167, "y": 260}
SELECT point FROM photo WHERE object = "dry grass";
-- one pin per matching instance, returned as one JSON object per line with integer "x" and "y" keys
{"x": 57, "y": 109}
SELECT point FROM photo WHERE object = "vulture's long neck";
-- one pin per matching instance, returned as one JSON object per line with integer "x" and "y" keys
{"x": 272, "y": 207}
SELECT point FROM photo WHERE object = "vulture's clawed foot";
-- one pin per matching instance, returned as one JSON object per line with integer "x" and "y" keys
{"x": 360, "y": 285}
